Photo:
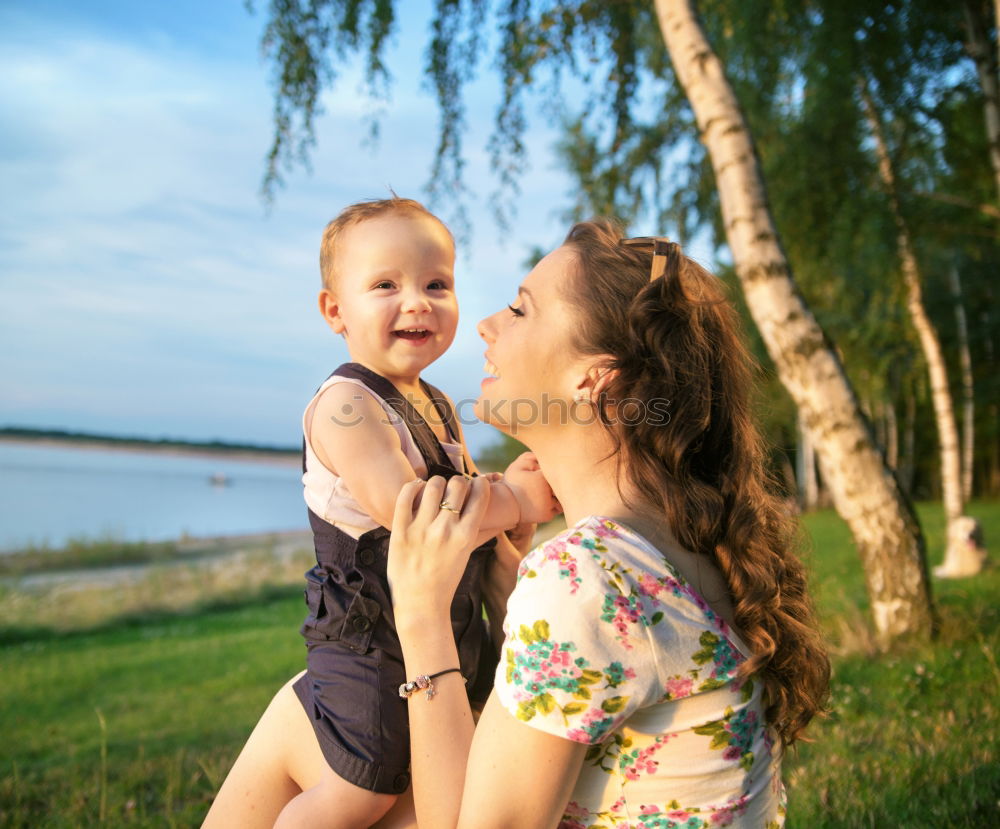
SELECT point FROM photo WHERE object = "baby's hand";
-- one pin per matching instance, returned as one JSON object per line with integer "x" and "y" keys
{"x": 534, "y": 495}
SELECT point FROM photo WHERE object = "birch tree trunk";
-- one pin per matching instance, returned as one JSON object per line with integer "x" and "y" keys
{"x": 977, "y": 44}
{"x": 968, "y": 389}
{"x": 864, "y": 491}
{"x": 960, "y": 558}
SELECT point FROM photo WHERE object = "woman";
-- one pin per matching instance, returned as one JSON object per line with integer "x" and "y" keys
{"x": 661, "y": 652}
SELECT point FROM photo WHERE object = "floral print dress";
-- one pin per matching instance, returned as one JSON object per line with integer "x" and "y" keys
{"x": 606, "y": 644}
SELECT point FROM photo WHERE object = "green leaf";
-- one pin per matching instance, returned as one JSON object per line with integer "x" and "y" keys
{"x": 541, "y": 629}
{"x": 526, "y": 710}
{"x": 614, "y": 704}
{"x": 656, "y": 617}
{"x": 708, "y": 729}
{"x": 526, "y": 635}
{"x": 545, "y": 703}
{"x": 720, "y": 740}
{"x": 589, "y": 677}
{"x": 572, "y": 708}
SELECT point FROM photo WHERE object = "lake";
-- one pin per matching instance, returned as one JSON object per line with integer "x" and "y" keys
{"x": 50, "y": 494}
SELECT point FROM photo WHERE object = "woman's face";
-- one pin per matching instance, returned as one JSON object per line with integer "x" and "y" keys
{"x": 531, "y": 364}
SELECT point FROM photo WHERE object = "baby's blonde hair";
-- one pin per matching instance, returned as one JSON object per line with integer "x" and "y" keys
{"x": 356, "y": 214}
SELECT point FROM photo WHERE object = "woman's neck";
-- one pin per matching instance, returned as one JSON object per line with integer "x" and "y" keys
{"x": 581, "y": 469}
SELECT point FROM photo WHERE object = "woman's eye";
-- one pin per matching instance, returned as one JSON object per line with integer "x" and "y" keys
{"x": 517, "y": 312}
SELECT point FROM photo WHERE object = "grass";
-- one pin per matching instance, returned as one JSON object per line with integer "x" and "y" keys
{"x": 135, "y": 721}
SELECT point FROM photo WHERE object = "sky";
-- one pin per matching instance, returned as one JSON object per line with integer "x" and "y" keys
{"x": 145, "y": 288}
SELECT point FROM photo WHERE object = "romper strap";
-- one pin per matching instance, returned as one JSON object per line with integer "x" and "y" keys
{"x": 445, "y": 412}
{"x": 427, "y": 442}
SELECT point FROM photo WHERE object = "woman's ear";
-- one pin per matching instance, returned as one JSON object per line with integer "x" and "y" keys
{"x": 330, "y": 311}
{"x": 596, "y": 379}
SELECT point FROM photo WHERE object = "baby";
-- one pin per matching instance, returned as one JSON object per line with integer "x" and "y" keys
{"x": 374, "y": 425}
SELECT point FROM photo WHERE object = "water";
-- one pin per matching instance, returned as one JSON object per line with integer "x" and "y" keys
{"x": 49, "y": 495}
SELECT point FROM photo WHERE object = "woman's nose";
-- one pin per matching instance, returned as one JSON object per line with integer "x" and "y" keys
{"x": 486, "y": 328}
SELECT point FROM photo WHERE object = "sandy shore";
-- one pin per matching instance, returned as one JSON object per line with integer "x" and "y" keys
{"x": 239, "y": 455}
{"x": 211, "y": 553}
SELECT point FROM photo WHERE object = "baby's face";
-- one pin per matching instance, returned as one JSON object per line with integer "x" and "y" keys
{"x": 394, "y": 297}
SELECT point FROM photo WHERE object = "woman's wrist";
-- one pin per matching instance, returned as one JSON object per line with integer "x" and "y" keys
{"x": 417, "y": 618}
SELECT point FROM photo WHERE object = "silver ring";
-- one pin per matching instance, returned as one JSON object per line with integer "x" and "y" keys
{"x": 449, "y": 507}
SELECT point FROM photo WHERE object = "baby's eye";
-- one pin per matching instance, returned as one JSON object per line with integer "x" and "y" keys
{"x": 438, "y": 285}
{"x": 385, "y": 283}
{"x": 517, "y": 312}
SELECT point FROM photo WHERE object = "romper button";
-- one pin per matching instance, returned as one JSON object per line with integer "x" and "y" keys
{"x": 366, "y": 556}
{"x": 401, "y": 781}
{"x": 361, "y": 623}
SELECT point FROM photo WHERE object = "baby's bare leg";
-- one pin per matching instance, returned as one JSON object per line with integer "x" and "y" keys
{"x": 402, "y": 815}
{"x": 280, "y": 759}
{"x": 334, "y": 803}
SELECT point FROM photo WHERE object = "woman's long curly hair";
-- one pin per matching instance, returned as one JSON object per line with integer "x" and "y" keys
{"x": 677, "y": 338}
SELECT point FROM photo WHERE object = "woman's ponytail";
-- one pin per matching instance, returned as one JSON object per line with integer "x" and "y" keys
{"x": 675, "y": 346}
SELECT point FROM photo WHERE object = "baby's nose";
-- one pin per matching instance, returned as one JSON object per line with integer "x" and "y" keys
{"x": 416, "y": 300}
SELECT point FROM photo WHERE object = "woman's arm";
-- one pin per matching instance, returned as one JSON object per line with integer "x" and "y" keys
{"x": 511, "y": 775}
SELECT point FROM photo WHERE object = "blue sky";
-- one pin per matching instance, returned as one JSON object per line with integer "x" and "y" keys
{"x": 144, "y": 288}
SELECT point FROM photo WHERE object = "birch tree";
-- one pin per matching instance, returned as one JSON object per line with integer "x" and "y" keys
{"x": 864, "y": 491}
{"x": 962, "y": 554}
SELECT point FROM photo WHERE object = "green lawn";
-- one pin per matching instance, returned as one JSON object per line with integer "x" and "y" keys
{"x": 136, "y": 723}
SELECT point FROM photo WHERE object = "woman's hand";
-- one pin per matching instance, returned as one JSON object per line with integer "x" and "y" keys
{"x": 430, "y": 545}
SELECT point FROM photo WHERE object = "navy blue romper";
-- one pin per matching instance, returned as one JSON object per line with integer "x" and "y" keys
{"x": 350, "y": 689}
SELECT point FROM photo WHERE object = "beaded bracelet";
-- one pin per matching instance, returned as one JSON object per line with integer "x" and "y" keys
{"x": 425, "y": 683}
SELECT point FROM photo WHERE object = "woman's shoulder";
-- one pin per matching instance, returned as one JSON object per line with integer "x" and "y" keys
{"x": 620, "y": 589}
{"x": 593, "y": 549}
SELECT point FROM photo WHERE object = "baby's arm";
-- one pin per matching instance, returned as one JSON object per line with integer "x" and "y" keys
{"x": 351, "y": 434}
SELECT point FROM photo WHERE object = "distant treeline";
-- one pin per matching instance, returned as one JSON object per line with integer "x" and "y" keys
{"x": 162, "y": 443}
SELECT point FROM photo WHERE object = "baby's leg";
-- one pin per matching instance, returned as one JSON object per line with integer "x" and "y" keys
{"x": 281, "y": 758}
{"x": 402, "y": 815}
{"x": 334, "y": 803}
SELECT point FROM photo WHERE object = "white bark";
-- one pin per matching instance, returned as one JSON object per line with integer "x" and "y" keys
{"x": 864, "y": 491}
{"x": 957, "y": 561}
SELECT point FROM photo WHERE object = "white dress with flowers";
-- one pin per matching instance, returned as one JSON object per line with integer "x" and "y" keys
{"x": 606, "y": 644}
